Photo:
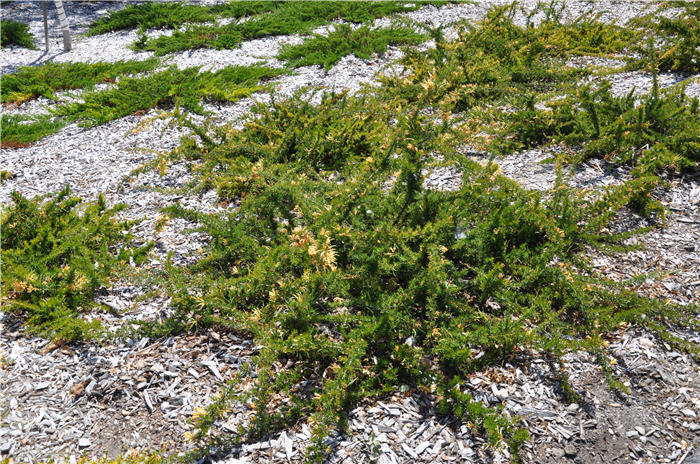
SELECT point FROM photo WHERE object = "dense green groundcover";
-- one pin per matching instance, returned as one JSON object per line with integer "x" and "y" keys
{"x": 55, "y": 256}
{"x": 33, "y": 81}
{"x": 512, "y": 88}
{"x": 292, "y": 17}
{"x": 171, "y": 15}
{"x": 16, "y": 33}
{"x": 353, "y": 278}
{"x": 327, "y": 50}
{"x": 358, "y": 280}
{"x": 171, "y": 88}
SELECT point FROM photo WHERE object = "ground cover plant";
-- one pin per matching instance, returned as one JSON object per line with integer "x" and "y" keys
{"x": 15, "y": 33}
{"x": 185, "y": 89}
{"x": 673, "y": 30}
{"x": 55, "y": 257}
{"x": 356, "y": 280}
{"x": 513, "y": 89}
{"x": 288, "y": 18}
{"x": 353, "y": 278}
{"x": 33, "y": 81}
{"x": 171, "y": 15}
{"x": 327, "y": 50}
{"x": 498, "y": 62}
{"x": 20, "y": 131}
{"x": 656, "y": 132}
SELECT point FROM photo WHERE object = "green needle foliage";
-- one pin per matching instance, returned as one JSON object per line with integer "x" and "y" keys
{"x": 291, "y": 17}
{"x": 16, "y": 33}
{"x": 356, "y": 280}
{"x": 675, "y": 27}
{"x": 171, "y": 15}
{"x": 33, "y": 81}
{"x": 19, "y": 131}
{"x": 656, "y": 132}
{"x": 54, "y": 258}
{"x": 344, "y": 40}
{"x": 500, "y": 62}
{"x": 171, "y": 87}
{"x": 184, "y": 88}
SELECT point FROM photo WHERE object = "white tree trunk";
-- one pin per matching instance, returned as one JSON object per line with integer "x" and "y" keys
{"x": 46, "y": 25}
{"x": 64, "y": 24}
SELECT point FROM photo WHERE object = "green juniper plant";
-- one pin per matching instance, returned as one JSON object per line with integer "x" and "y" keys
{"x": 654, "y": 132}
{"x": 171, "y": 15}
{"x": 171, "y": 87}
{"x": 185, "y": 88}
{"x": 674, "y": 27}
{"x": 16, "y": 33}
{"x": 33, "y": 81}
{"x": 327, "y": 50}
{"x": 291, "y": 17}
{"x": 19, "y": 131}
{"x": 498, "y": 62}
{"x": 336, "y": 256}
{"x": 55, "y": 257}
{"x": 130, "y": 94}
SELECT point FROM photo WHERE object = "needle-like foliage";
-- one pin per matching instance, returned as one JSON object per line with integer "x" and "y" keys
{"x": 55, "y": 257}
{"x": 327, "y": 50}
{"x": 355, "y": 279}
{"x": 16, "y": 33}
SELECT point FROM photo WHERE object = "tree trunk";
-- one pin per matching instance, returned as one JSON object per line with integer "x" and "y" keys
{"x": 46, "y": 25}
{"x": 64, "y": 25}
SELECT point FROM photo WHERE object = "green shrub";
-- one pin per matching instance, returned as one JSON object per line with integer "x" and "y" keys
{"x": 173, "y": 86}
{"x": 358, "y": 280}
{"x": 654, "y": 133}
{"x": 291, "y": 17}
{"x": 19, "y": 131}
{"x": 344, "y": 40}
{"x": 675, "y": 27}
{"x": 15, "y": 33}
{"x": 171, "y": 15}
{"x": 33, "y": 81}
{"x": 500, "y": 62}
{"x": 54, "y": 259}
{"x": 184, "y": 88}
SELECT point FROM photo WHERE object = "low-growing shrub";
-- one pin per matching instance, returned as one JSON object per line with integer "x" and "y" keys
{"x": 500, "y": 62}
{"x": 355, "y": 279}
{"x": 171, "y": 15}
{"x": 19, "y": 131}
{"x": 658, "y": 131}
{"x": 16, "y": 33}
{"x": 33, "y": 81}
{"x": 185, "y": 88}
{"x": 55, "y": 255}
{"x": 289, "y": 18}
{"x": 343, "y": 40}
{"x": 674, "y": 31}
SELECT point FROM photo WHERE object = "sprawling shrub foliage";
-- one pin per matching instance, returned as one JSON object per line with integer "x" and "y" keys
{"x": 171, "y": 15}
{"x": 499, "y": 61}
{"x": 327, "y": 50}
{"x": 19, "y": 130}
{"x": 15, "y": 33}
{"x": 33, "y": 81}
{"x": 287, "y": 18}
{"x": 54, "y": 258}
{"x": 673, "y": 30}
{"x": 355, "y": 279}
{"x": 352, "y": 277}
{"x": 654, "y": 132}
